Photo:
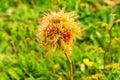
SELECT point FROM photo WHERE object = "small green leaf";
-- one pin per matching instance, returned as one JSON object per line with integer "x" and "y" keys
{"x": 13, "y": 74}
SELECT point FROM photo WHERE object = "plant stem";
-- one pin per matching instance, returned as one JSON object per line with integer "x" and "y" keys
{"x": 14, "y": 48}
{"x": 108, "y": 46}
{"x": 104, "y": 62}
{"x": 70, "y": 64}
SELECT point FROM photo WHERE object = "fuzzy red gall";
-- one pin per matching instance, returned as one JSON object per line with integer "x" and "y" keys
{"x": 49, "y": 30}
{"x": 66, "y": 35}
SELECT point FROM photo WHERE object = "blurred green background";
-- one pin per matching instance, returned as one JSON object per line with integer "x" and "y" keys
{"x": 21, "y": 57}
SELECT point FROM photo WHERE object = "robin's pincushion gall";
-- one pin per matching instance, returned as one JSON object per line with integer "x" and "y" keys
{"x": 58, "y": 30}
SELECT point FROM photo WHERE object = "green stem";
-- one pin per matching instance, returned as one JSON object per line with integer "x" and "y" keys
{"x": 108, "y": 46}
{"x": 70, "y": 64}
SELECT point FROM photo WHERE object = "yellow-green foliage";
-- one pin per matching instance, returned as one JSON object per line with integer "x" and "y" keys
{"x": 22, "y": 57}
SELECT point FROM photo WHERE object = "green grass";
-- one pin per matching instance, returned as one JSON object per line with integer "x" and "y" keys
{"x": 18, "y": 21}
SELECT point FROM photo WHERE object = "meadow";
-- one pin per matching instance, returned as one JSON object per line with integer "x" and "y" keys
{"x": 21, "y": 55}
